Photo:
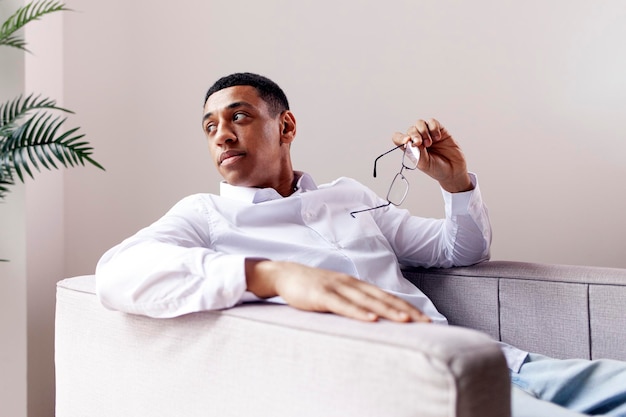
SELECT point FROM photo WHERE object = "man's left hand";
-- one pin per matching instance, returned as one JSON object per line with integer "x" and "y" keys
{"x": 440, "y": 155}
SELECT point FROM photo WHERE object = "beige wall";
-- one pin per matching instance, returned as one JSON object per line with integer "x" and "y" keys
{"x": 13, "y": 313}
{"x": 533, "y": 90}
{"x": 13, "y": 327}
{"x": 31, "y": 237}
{"x": 45, "y": 258}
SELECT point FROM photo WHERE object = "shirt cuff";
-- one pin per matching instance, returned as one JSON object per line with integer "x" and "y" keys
{"x": 225, "y": 284}
{"x": 464, "y": 202}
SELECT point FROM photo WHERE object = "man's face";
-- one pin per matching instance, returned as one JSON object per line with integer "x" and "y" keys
{"x": 244, "y": 139}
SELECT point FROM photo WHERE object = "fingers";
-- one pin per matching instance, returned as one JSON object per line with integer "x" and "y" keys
{"x": 440, "y": 155}
{"x": 338, "y": 304}
{"x": 393, "y": 308}
{"x": 364, "y": 301}
{"x": 400, "y": 138}
{"x": 315, "y": 289}
{"x": 423, "y": 133}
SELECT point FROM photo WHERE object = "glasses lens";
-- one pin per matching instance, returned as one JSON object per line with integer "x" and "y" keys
{"x": 398, "y": 190}
{"x": 411, "y": 156}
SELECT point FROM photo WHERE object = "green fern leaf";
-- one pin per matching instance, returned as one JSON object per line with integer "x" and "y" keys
{"x": 37, "y": 144}
{"x": 31, "y": 11}
{"x": 14, "y": 110}
{"x": 15, "y": 42}
{"x": 6, "y": 180}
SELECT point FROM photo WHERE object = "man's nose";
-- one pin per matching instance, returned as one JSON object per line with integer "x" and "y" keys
{"x": 224, "y": 134}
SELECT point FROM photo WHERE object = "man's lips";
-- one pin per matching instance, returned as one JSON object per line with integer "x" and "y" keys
{"x": 228, "y": 157}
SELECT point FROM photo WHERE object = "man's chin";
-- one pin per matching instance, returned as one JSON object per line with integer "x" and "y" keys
{"x": 238, "y": 181}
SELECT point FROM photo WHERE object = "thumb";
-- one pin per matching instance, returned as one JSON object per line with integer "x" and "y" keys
{"x": 400, "y": 138}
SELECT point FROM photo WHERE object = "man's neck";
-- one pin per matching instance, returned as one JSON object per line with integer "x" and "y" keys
{"x": 288, "y": 185}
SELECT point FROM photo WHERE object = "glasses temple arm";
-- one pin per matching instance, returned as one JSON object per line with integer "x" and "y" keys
{"x": 380, "y": 156}
{"x": 352, "y": 213}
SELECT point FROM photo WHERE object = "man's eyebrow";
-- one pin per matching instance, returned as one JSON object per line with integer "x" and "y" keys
{"x": 231, "y": 106}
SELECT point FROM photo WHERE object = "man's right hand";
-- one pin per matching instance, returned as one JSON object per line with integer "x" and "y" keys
{"x": 315, "y": 289}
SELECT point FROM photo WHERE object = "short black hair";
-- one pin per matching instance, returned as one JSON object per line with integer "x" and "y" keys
{"x": 268, "y": 90}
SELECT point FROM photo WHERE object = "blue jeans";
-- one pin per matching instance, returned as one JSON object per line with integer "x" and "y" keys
{"x": 595, "y": 387}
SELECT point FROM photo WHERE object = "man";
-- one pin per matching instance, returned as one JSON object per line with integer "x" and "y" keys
{"x": 272, "y": 233}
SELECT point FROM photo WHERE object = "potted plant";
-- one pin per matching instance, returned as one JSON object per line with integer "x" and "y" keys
{"x": 33, "y": 133}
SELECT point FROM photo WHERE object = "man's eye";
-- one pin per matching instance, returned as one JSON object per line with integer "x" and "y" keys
{"x": 238, "y": 116}
{"x": 210, "y": 128}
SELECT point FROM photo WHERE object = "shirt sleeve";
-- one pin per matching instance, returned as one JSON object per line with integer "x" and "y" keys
{"x": 168, "y": 268}
{"x": 462, "y": 238}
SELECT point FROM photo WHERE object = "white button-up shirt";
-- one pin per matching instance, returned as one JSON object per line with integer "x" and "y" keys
{"x": 192, "y": 259}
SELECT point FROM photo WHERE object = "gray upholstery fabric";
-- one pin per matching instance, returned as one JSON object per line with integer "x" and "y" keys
{"x": 562, "y": 311}
{"x": 466, "y": 301}
{"x": 528, "y": 312}
{"x": 267, "y": 360}
{"x": 608, "y": 321}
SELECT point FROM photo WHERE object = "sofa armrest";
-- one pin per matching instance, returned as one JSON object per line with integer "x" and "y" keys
{"x": 561, "y": 311}
{"x": 267, "y": 359}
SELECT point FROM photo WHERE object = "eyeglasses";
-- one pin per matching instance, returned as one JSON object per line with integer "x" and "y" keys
{"x": 399, "y": 187}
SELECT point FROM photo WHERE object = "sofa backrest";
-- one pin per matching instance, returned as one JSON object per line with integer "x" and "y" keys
{"x": 561, "y": 311}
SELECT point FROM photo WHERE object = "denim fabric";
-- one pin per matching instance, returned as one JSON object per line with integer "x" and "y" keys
{"x": 595, "y": 387}
{"x": 525, "y": 405}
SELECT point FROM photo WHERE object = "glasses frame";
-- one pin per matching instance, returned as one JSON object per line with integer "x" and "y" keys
{"x": 399, "y": 176}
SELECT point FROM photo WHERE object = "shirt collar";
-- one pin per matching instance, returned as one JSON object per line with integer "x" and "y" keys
{"x": 259, "y": 195}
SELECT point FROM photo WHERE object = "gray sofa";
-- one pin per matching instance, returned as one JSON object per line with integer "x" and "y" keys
{"x": 272, "y": 360}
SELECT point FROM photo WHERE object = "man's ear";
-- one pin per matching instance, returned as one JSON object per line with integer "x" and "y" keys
{"x": 287, "y": 127}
